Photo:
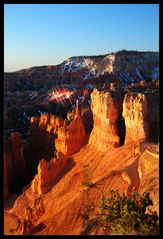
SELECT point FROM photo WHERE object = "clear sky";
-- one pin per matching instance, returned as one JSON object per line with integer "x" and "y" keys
{"x": 47, "y": 34}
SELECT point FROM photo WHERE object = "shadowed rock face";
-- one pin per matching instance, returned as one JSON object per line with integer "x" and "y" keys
{"x": 15, "y": 163}
{"x": 153, "y": 116}
{"x": 106, "y": 109}
{"x": 135, "y": 113}
{"x": 6, "y": 190}
{"x": 41, "y": 141}
{"x": 42, "y": 136}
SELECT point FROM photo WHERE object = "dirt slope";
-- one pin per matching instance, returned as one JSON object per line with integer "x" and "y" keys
{"x": 64, "y": 204}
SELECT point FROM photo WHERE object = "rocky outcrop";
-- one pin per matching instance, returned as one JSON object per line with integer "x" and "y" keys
{"x": 87, "y": 118}
{"x": 148, "y": 170}
{"x": 43, "y": 133}
{"x": 6, "y": 189}
{"x": 26, "y": 90}
{"x": 106, "y": 108}
{"x": 48, "y": 173}
{"x": 41, "y": 141}
{"x": 135, "y": 113}
{"x": 71, "y": 137}
{"x": 16, "y": 163}
{"x": 50, "y": 134}
{"x": 47, "y": 122}
{"x": 39, "y": 184}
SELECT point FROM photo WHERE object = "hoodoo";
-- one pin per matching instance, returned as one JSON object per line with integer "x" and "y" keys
{"x": 72, "y": 136}
{"x": 105, "y": 108}
{"x": 75, "y": 154}
{"x": 135, "y": 113}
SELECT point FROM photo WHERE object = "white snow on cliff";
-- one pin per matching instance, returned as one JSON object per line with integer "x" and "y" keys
{"x": 128, "y": 67}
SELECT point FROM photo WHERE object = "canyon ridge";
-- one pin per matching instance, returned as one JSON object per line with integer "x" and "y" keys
{"x": 75, "y": 131}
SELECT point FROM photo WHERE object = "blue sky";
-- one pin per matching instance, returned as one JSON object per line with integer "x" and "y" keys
{"x": 47, "y": 34}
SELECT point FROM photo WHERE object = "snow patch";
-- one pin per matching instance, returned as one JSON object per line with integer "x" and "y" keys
{"x": 138, "y": 73}
{"x": 155, "y": 73}
{"x": 89, "y": 86}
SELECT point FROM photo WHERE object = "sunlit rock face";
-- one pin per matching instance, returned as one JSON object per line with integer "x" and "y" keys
{"x": 47, "y": 122}
{"x": 50, "y": 134}
{"x": 87, "y": 118}
{"x": 48, "y": 174}
{"x": 40, "y": 180}
{"x": 71, "y": 138}
{"x": 6, "y": 190}
{"x": 135, "y": 113}
{"x": 15, "y": 163}
{"x": 148, "y": 170}
{"x": 106, "y": 109}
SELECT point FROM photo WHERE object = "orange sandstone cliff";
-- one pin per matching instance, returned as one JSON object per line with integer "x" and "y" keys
{"x": 64, "y": 180}
{"x": 106, "y": 110}
{"x": 148, "y": 170}
{"x": 71, "y": 138}
{"x": 135, "y": 113}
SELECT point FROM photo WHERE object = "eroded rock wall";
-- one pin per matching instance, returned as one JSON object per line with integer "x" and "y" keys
{"x": 41, "y": 141}
{"x": 71, "y": 137}
{"x": 6, "y": 189}
{"x": 106, "y": 108}
{"x": 15, "y": 162}
{"x": 135, "y": 113}
{"x": 42, "y": 138}
{"x": 48, "y": 173}
{"x": 148, "y": 170}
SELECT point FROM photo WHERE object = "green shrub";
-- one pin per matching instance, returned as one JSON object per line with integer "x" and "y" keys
{"x": 128, "y": 215}
{"x": 124, "y": 215}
